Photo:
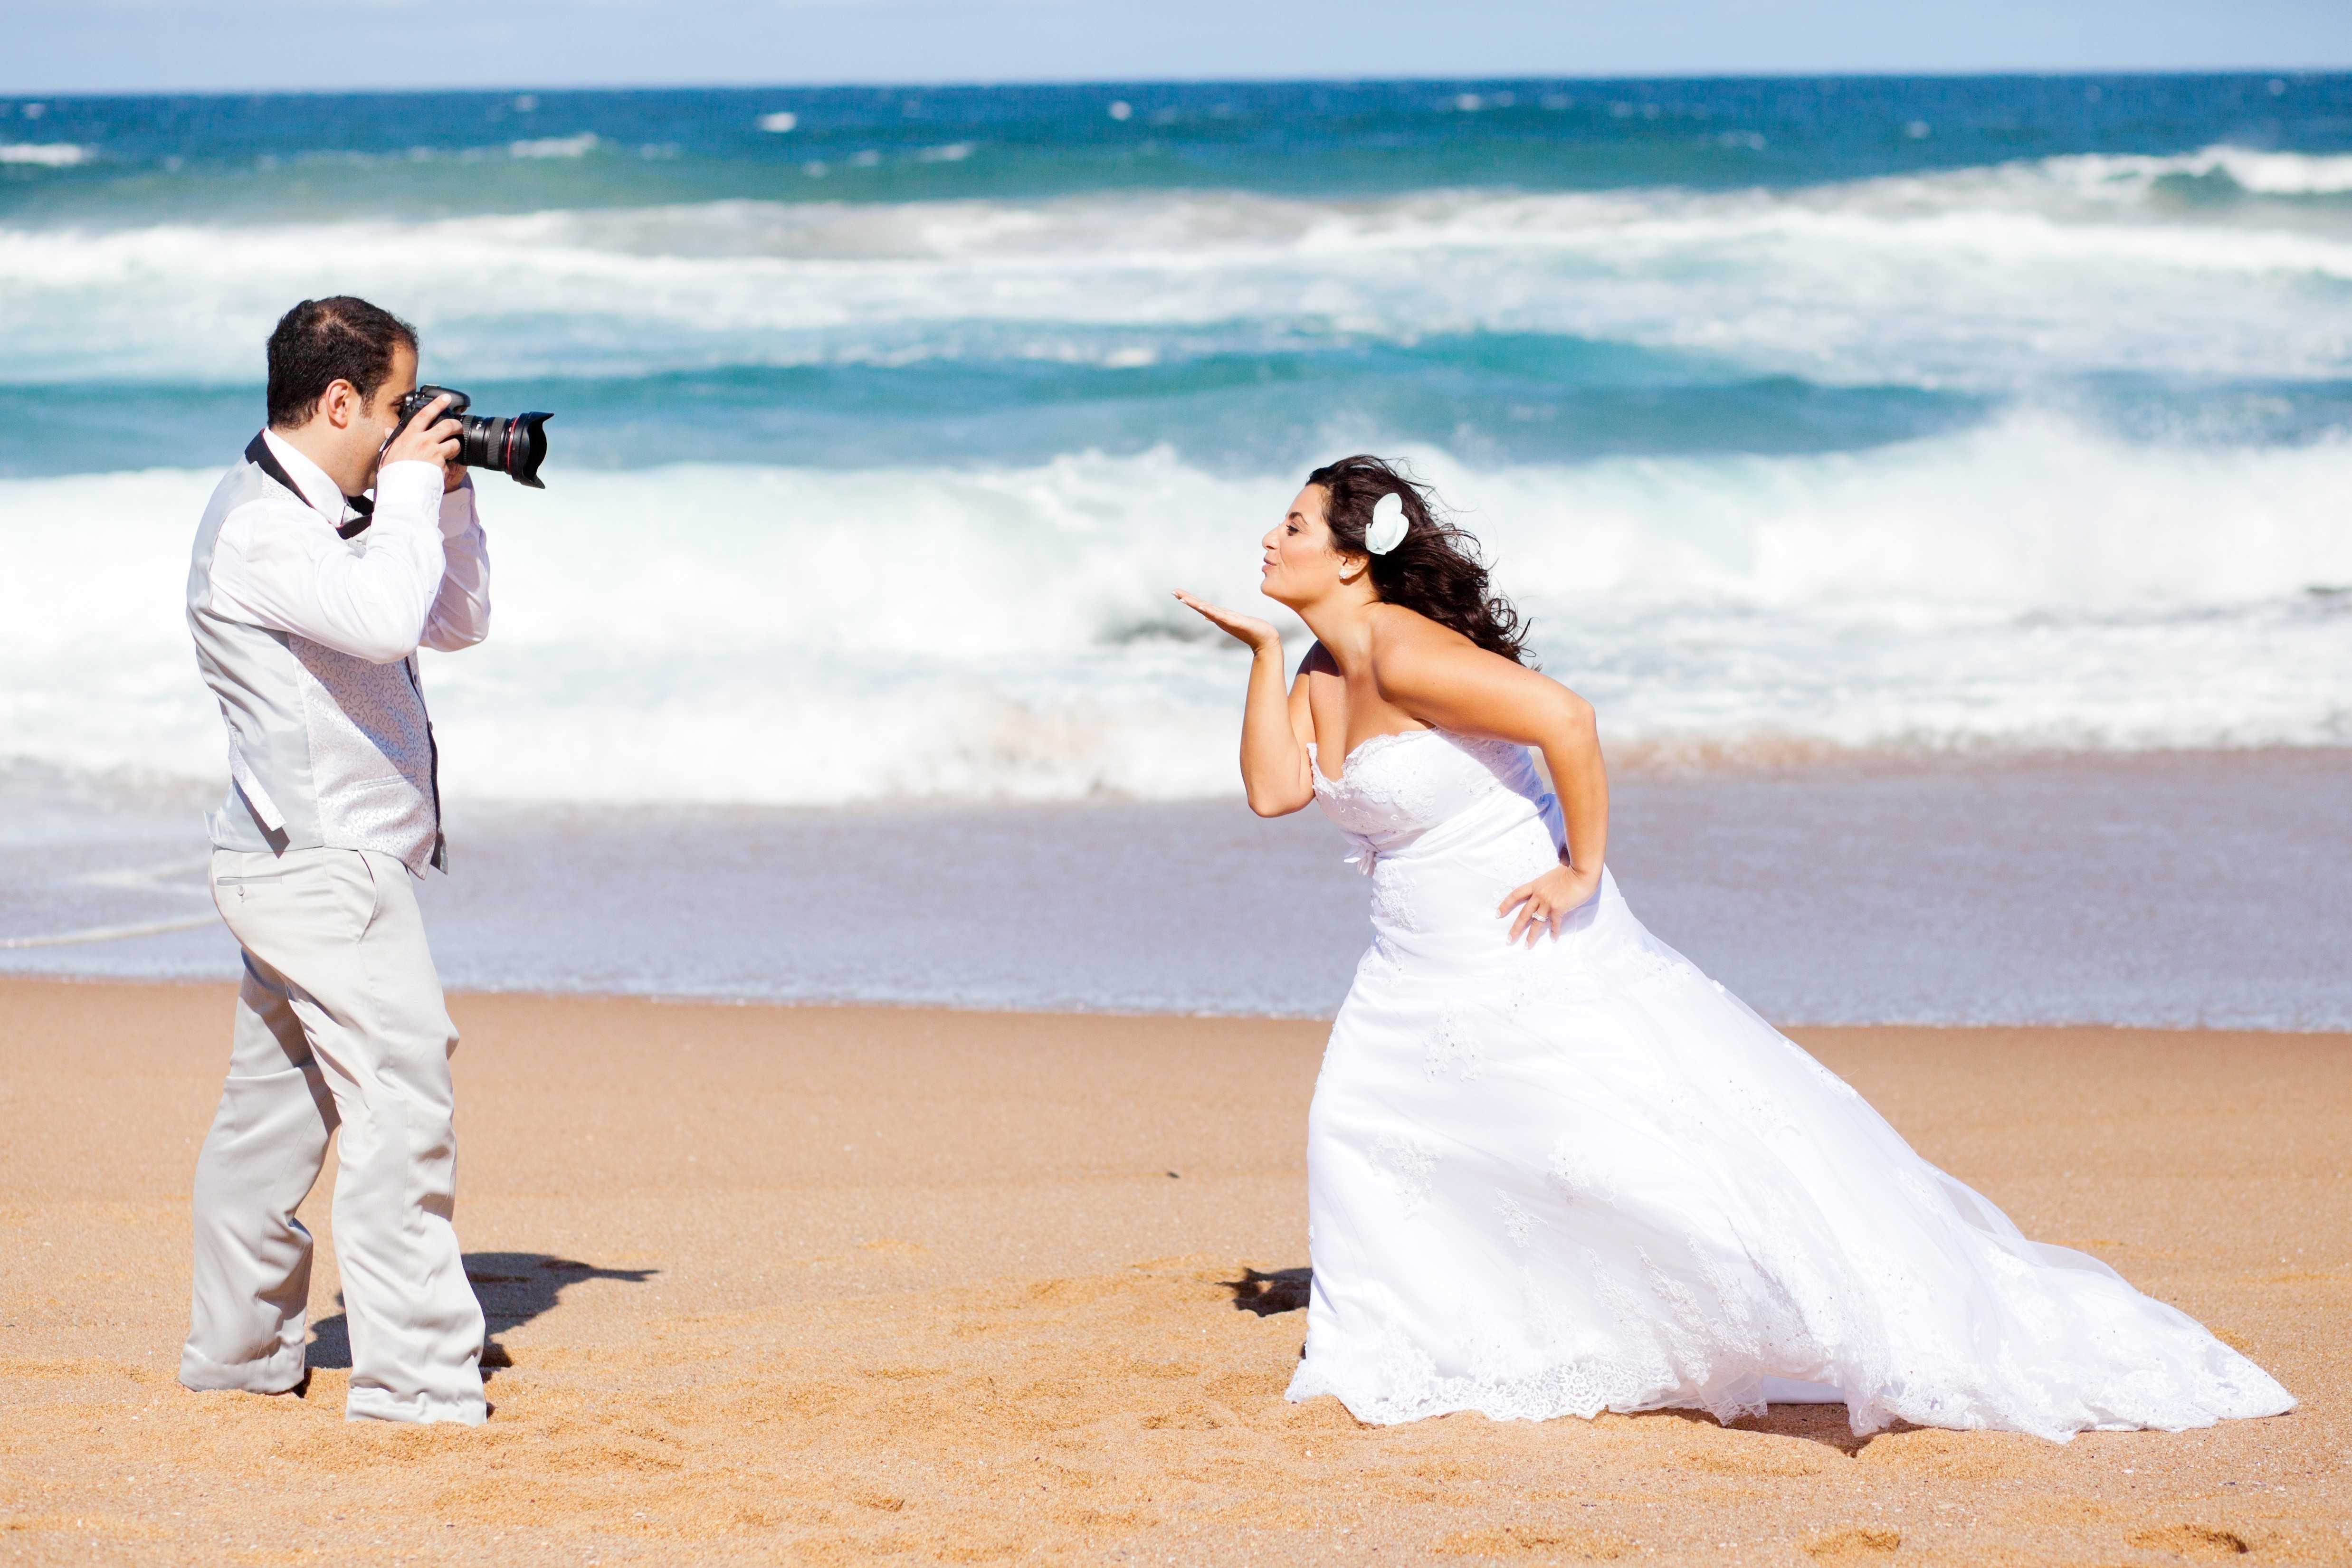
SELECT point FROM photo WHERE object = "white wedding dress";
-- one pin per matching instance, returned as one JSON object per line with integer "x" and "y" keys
{"x": 1583, "y": 1177}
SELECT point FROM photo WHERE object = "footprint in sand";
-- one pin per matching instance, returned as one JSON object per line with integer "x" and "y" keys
{"x": 1853, "y": 1546}
{"x": 2196, "y": 1541}
{"x": 1758, "y": 1455}
{"x": 1526, "y": 1540}
{"x": 1955, "y": 1456}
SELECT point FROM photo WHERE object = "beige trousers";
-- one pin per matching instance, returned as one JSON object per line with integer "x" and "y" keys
{"x": 340, "y": 1025}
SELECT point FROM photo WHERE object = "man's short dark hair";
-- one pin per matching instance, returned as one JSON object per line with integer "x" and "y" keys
{"x": 322, "y": 341}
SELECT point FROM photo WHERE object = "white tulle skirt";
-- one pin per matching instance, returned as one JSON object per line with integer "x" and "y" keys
{"x": 1585, "y": 1178}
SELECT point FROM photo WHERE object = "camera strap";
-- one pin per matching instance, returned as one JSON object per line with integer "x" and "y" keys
{"x": 258, "y": 453}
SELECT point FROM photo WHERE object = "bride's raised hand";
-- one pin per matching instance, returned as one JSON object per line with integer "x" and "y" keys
{"x": 1258, "y": 634}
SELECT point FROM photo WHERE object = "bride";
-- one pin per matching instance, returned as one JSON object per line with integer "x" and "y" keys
{"x": 1552, "y": 1168}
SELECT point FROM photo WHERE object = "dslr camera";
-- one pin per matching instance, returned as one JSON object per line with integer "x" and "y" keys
{"x": 515, "y": 448}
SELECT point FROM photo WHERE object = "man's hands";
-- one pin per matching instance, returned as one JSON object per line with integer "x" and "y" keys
{"x": 429, "y": 438}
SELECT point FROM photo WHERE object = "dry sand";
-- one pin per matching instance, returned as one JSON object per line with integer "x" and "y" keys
{"x": 830, "y": 1284}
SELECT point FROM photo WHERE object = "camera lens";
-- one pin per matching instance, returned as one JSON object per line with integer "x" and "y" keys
{"x": 515, "y": 448}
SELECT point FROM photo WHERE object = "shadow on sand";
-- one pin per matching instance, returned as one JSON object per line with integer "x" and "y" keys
{"x": 1823, "y": 1424}
{"x": 1283, "y": 1291}
{"x": 513, "y": 1288}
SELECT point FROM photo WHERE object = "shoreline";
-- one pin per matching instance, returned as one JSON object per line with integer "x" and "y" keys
{"x": 458, "y": 996}
{"x": 2067, "y": 893}
{"x": 820, "y": 1283}
{"x": 1796, "y": 756}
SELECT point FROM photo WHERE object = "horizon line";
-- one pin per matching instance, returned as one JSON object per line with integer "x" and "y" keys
{"x": 1349, "y": 79}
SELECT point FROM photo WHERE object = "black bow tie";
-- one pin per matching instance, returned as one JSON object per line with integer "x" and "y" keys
{"x": 258, "y": 453}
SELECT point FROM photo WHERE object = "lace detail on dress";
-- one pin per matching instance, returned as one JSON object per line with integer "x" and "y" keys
{"x": 1393, "y": 896}
{"x": 1454, "y": 1050}
{"x": 1640, "y": 964}
{"x": 1580, "y": 1173}
{"x": 1377, "y": 964}
{"x": 1409, "y": 782}
{"x": 1404, "y": 1163}
{"x": 1377, "y": 797}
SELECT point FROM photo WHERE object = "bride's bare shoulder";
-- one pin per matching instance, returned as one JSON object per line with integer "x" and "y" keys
{"x": 1418, "y": 662}
{"x": 1318, "y": 662}
{"x": 1404, "y": 636}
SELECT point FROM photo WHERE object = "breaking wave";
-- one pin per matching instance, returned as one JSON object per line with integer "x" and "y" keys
{"x": 792, "y": 635}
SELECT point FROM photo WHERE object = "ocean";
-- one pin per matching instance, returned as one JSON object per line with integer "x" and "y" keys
{"x": 1853, "y": 429}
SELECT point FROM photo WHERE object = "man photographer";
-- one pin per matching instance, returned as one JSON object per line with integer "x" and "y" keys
{"x": 309, "y": 604}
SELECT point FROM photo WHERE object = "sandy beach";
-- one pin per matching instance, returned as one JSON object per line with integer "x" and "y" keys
{"x": 831, "y": 1284}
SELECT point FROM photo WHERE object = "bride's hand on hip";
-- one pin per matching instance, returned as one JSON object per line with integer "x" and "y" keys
{"x": 1260, "y": 636}
{"x": 1545, "y": 903}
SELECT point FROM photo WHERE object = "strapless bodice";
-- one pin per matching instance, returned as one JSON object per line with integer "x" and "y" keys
{"x": 1393, "y": 788}
{"x": 1444, "y": 824}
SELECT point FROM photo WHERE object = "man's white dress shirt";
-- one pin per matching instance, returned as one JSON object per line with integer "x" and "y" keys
{"x": 309, "y": 638}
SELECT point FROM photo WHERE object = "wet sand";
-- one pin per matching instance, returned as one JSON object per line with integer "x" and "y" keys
{"x": 2041, "y": 890}
{"x": 820, "y": 1285}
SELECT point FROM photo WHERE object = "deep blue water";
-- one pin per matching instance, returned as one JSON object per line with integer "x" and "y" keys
{"x": 327, "y": 155}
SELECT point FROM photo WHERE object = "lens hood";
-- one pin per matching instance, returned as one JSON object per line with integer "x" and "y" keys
{"x": 515, "y": 448}
{"x": 525, "y": 448}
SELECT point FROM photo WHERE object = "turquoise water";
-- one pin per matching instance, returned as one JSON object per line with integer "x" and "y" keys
{"x": 1215, "y": 174}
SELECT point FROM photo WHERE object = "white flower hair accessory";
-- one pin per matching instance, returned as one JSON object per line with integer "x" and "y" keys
{"x": 1387, "y": 528}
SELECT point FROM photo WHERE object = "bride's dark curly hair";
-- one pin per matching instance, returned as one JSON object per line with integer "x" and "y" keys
{"x": 1435, "y": 571}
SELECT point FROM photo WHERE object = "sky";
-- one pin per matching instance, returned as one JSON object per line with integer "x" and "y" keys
{"x": 148, "y": 46}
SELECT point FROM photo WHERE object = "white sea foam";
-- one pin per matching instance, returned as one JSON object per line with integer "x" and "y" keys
{"x": 736, "y": 634}
{"x": 2264, "y": 173}
{"x": 1985, "y": 278}
{"x": 578, "y": 146}
{"x": 46, "y": 154}
{"x": 786, "y": 635}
